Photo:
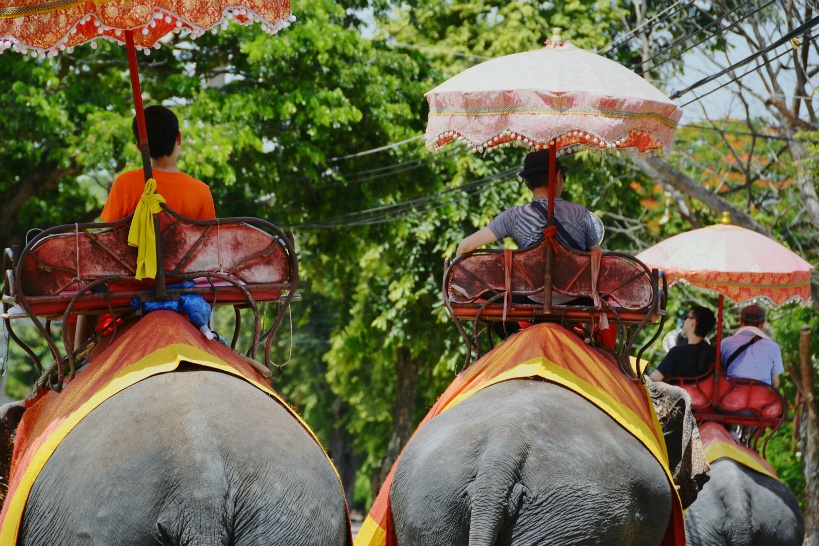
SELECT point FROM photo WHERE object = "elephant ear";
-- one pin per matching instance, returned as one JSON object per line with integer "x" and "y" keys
{"x": 686, "y": 456}
{"x": 10, "y": 416}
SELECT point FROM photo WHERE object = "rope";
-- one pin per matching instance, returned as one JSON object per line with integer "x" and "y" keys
{"x": 219, "y": 245}
{"x": 78, "y": 276}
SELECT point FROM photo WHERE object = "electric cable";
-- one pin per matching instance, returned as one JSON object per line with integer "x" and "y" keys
{"x": 375, "y": 215}
{"x": 375, "y": 150}
{"x": 784, "y": 39}
{"x": 732, "y": 80}
{"x": 632, "y": 33}
{"x": 689, "y": 35}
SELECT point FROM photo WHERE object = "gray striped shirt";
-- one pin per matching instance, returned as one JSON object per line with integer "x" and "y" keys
{"x": 525, "y": 224}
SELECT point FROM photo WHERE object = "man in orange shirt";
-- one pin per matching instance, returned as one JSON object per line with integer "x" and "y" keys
{"x": 184, "y": 194}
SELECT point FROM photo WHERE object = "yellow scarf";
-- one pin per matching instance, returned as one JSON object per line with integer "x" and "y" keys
{"x": 142, "y": 234}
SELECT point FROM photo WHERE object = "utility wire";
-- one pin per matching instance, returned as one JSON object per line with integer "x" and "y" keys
{"x": 390, "y": 212}
{"x": 746, "y": 133}
{"x": 438, "y": 51}
{"x": 784, "y": 39}
{"x": 632, "y": 33}
{"x": 735, "y": 78}
{"x": 694, "y": 33}
{"x": 374, "y": 150}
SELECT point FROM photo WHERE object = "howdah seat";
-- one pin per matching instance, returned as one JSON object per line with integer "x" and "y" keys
{"x": 90, "y": 269}
{"x": 721, "y": 398}
{"x": 497, "y": 285}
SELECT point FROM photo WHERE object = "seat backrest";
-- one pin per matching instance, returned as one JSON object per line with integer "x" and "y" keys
{"x": 482, "y": 274}
{"x": 700, "y": 388}
{"x": 749, "y": 396}
{"x": 67, "y": 258}
{"x": 735, "y": 396}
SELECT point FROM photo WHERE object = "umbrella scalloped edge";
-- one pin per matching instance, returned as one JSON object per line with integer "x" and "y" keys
{"x": 769, "y": 302}
{"x": 27, "y": 37}
{"x": 642, "y": 142}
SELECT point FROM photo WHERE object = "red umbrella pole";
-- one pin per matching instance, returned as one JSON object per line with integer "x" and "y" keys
{"x": 552, "y": 180}
{"x": 140, "y": 111}
{"x": 719, "y": 327}
{"x": 718, "y": 364}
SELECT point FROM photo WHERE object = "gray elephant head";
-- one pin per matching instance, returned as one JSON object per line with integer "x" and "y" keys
{"x": 686, "y": 456}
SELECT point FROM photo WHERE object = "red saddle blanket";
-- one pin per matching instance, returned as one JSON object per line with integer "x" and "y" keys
{"x": 719, "y": 444}
{"x": 155, "y": 344}
{"x": 547, "y": 351}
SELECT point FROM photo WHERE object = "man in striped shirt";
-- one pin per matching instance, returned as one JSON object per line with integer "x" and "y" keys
{"x": 525, "y": 224}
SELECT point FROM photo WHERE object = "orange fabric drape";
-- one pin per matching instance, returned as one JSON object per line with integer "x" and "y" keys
{"x": 718, "y": 444}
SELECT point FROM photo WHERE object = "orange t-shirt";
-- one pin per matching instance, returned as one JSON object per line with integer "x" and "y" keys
{"x": 184, "y": 194}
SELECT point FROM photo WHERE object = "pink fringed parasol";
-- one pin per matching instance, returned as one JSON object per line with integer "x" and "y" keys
{"x": 559, "y": 96}
{"x": 735, "y": 262}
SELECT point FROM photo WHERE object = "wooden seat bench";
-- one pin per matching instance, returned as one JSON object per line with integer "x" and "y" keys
{"x": 90, "y": 269}
{"x": 498, "y": 285}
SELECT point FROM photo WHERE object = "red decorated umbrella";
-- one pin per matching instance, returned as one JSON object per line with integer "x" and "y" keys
{"x": 45, "y": 28}
{"x": 734, "y": 262}
{"x": 559, "y": 97}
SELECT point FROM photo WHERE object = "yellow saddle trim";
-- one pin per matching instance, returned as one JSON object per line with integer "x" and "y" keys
{"x": 544, "y": 368}
{"x": 725, "y": 450}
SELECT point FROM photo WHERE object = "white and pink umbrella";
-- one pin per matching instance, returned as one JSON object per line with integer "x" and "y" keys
{"x": 559, "y": 97}
{"x": 734, "y": 262}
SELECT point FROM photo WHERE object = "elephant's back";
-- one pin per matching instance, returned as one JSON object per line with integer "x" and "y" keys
{"x": 740, "y": 506}
{"x": 542, "y": 451}
{"x": 193, "y": 453}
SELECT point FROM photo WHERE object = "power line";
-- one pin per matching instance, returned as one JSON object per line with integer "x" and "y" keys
{"x": 784, "y": 39}
{"x": 746, "y": 133}
{"x": 631, "y": 34}
{"x": 392, "y": 212}
{"x": 689, "y": 35}
{"x": 438, "y": 51}
{"x": 374, "y": 150}
{"x": 732, "y": 80}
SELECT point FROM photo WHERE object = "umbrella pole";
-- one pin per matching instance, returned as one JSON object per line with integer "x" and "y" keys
{"x": 718, "y": 363}
{"x": 719, "y": 326}
{"x": 140, "y": 112}
{"x": 547, "y": 284}
{"x": 142, "y": 131}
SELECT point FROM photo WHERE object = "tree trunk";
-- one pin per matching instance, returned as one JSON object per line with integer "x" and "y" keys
{"x": 810, "y": 440}
{"x": 667, "y": 175}
{"x": 345, "y": 459}
{"x": 406, "y": 372}
{"x": 805, "y": 179}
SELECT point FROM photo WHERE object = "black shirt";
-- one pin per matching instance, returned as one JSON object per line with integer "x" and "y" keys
{"x": 688, "y": 360}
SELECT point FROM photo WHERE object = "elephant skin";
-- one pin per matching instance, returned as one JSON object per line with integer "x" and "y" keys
{"x": 741, "y": 507}
{"x": 195, "y": 458}
{"x": 525, "y": 463}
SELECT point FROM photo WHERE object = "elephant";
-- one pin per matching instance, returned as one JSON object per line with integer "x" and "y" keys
{"x": 739, "y": 506}
{"x": 527, "y": 462}
{"x": 194, "y": 457}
